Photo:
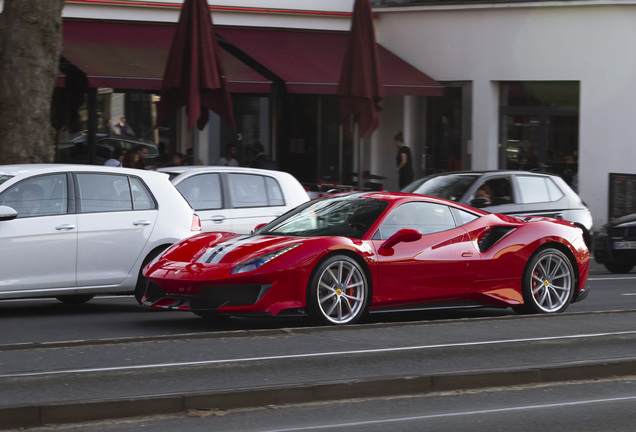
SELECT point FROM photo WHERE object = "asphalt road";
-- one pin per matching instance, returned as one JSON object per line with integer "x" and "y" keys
{"x": 108, "y": 358}
{"x": 606, "y": 405}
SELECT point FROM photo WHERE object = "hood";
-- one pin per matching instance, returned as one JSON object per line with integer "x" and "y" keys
{"x": 243, "y": 248}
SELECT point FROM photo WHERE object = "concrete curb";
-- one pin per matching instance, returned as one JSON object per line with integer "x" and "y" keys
{"x": 26, "y": 416}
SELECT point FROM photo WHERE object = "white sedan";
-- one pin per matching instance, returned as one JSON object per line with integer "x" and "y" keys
{"x": 74, "y": 231}
{"x": 235, "y": 199}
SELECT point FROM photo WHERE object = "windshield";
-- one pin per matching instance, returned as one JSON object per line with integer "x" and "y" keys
{"x": 4, "y": 178}
{"x": 451, "y": 187}
{"x": 332, "y": 216}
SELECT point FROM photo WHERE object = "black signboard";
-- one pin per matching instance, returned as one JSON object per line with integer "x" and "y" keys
{"x": 622, "y": 195}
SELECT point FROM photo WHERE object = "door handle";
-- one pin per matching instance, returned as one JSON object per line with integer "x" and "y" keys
{"x": 65, "y": 227}
{"x": 141, "y": 223}
{"x": 467, "y": 254}
{"x": 216, "y": 219}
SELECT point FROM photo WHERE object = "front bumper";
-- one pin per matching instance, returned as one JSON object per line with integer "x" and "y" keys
{"x": 211, "y": 298}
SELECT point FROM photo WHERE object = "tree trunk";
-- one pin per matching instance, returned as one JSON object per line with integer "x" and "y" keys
{"x": 30, "y": 49}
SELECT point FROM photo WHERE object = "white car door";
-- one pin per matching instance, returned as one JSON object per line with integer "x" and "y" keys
{"x": 38, "y": 249}
{"x": 204, "y": 194}
{"x": 116, "y": 216}
{"x": 255, "y": 200}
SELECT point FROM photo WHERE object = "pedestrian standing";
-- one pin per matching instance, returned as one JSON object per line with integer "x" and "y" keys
{"x": 404, "y": 161}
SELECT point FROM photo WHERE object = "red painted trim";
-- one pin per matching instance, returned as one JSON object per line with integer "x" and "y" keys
{"x": 214, "y": 8}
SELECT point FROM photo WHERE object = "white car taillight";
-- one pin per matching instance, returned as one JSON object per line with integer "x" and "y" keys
{"x": 196, "y": 223}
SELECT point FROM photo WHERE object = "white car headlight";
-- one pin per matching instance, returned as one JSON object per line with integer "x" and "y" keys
{"x": 258, "y": 262}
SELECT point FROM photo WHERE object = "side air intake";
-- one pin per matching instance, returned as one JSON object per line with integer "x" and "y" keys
{"x": 493, "y": 236}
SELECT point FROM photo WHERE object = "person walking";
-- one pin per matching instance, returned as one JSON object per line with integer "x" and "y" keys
{"x": 404, "y": 161}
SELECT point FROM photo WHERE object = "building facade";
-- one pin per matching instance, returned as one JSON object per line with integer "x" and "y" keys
{"x": 525, "y": 85}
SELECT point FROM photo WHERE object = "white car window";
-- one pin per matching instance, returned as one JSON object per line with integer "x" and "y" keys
{"x": 533, "y": 189}
{"x": 142, "y": 199}
{"x": 555, "y": 193}
{"x": 202, "y": 191}
{"x": 247, "y": 190}
{"x": 38, "y": 196}
{"x": 274, "y": 192}
{"x": 104, "y": 192}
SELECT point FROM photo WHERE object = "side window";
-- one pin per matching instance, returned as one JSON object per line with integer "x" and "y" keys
{"x": 554, "y": 191}
{"x": 274, "y": 192}
{"x": 203, "y": 191}
{"x": 463, "y": 217}
{"x": 425, "y": 217}
{"x": 247, "y": 190}
{"x": 104, "y": 192}
{"x": 142, "y": 198}
{"x": 534, "y": 189}
{"x": 39, "y": 196}
{"x": 497, "y": 191}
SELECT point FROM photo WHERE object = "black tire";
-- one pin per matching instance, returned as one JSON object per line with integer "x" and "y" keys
{"x": 338, "y": 291}
{"x": 75, "y": 298}
{"x": 618, "y": 267}
{"x": 142, "y": 281}
{"x": 548, "y": 283}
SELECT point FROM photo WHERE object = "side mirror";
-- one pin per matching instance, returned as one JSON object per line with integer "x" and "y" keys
{"x": 259, "y": 226}
{"x": 404, "y": 235}
{"x": 480, "y": 202}
{"x": 7, "y": 213}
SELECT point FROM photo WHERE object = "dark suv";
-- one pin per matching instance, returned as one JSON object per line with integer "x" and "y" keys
{"x": 509, "y": 192}
{"x": 615, "y": 244}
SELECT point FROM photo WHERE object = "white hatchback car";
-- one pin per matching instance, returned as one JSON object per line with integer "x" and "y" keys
{"x": 73, "y": 231}
{"x": 234, "y": 199}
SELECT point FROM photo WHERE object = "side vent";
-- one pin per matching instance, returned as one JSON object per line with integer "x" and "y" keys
{"x": 493, "y": 236}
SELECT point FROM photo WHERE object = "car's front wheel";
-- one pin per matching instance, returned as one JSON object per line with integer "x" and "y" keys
{"x": 548, "y": 283}
{"x": 338, "y": 291}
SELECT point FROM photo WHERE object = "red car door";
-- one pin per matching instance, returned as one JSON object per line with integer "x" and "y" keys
{"x": 440, "y": 266}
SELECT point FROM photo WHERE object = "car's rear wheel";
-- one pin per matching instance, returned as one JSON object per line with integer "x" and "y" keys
{"x": 142, "y": 281}
{"x": 338, "y": 291}
{"x": 75, "y": 299}
{"x": 618, "y": 267}
{"x": 548, "y": 283}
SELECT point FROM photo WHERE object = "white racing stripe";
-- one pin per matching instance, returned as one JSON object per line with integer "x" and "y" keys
{"x": 311, "y": 355}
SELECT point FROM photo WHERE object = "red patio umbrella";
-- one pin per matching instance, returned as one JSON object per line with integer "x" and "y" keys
{"x": 194, "y": 74}
{"x": 360, "y": 86}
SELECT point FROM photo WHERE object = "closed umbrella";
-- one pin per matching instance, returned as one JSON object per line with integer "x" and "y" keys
{"x": 194, "y": 75}
{"x": 360, "y": 86}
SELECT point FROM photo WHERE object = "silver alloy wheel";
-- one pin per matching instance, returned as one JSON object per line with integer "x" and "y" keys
{"x": 341, "y": 291}
{"x": 551, "y": 281}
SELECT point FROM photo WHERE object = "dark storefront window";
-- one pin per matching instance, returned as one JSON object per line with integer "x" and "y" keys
{"x": 446, "y": 131}
{"x": 540, "y": 127}
{"x": 311, "y": 146}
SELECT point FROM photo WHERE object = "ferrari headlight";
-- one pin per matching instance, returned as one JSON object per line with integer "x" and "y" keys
{"x": 258, "y": 262}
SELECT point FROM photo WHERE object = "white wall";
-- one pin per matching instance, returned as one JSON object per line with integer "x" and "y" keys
{"x": 308, "y": 14}
{"x": 591, "y": 42}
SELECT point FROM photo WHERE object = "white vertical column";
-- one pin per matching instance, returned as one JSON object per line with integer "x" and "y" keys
{"x": 485, "y": 125}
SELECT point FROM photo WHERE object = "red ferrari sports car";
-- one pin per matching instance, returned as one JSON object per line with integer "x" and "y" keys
{"x": 341, "y": 256}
